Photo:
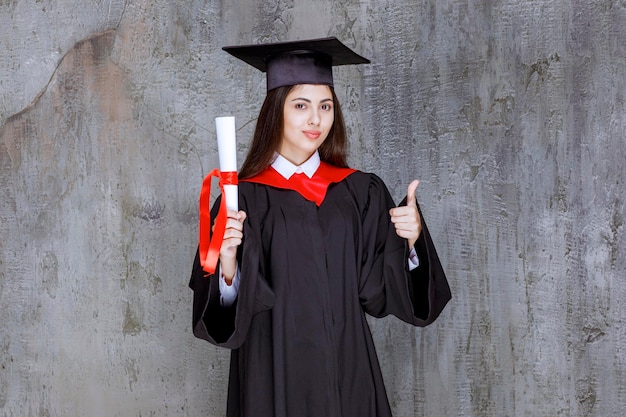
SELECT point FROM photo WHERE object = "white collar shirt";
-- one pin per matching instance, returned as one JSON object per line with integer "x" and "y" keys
{"x": 287, "y": 169}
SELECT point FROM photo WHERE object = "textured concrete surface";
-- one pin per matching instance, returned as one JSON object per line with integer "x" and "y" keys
{"x": 511, "y": 112}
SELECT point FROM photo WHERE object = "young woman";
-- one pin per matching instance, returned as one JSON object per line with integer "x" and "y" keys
{"x": 315, "y": 247}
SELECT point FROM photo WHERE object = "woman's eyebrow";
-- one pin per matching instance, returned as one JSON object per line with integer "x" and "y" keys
{"x": 309, "y": 101}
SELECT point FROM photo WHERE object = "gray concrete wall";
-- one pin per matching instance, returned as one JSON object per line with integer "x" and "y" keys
{"x": 511, "y": 113}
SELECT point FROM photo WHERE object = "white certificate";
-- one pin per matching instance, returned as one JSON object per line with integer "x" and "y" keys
{"x": 227, "y": 151}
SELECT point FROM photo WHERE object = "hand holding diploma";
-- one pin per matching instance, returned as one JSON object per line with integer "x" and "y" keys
{"x": 233, "y": 236}
{"x": 228, "y": 219}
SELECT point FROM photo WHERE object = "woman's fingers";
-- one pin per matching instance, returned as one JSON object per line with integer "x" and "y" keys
{"x": 406, "y": 219}
{"x": 233, "y": 234}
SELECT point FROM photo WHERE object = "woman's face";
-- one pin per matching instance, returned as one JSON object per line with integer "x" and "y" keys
{"x": 308, "y": 117}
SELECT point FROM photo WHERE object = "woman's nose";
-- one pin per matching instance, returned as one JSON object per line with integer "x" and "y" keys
{"x": 315, "y": 118}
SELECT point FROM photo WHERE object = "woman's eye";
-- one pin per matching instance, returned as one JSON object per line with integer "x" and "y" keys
{"x": 300, "y": 106}
{"x": 327, "y": 107}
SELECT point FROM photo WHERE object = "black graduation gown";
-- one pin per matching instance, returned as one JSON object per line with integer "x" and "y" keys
{"x": 301, "y": 345}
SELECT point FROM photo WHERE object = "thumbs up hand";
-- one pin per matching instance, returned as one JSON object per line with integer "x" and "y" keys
{"x": 406, "y": 219}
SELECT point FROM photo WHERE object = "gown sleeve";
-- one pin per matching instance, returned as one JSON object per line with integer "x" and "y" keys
{"x": 386, "y": 284}
{"x": 228, "y": 326}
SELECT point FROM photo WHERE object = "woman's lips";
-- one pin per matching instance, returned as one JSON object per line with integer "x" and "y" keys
{"x": 312, "y": 134}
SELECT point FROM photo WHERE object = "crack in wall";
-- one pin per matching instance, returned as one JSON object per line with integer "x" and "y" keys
{"x": 89, "y": 38}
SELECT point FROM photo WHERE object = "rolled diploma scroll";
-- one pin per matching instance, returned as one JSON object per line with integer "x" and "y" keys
{"x": 227, "y": 151}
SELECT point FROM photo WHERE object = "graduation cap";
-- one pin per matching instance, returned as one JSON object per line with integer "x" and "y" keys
{"x": 297, "y": 62}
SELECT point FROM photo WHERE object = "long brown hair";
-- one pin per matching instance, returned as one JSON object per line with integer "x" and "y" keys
{"x": 268, "y": 134}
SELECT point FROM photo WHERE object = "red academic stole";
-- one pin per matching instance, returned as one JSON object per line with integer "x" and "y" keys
{"x": 312, "y": 189}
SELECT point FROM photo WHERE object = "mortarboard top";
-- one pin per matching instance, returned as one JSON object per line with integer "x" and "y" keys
{"x": 297, "y": 62}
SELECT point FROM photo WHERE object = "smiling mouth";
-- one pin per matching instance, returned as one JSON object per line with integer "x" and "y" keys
{"x": 312, "y": 134}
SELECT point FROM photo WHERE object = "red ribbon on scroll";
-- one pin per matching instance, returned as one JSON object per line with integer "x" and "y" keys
{"x": 209, "y": 246}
